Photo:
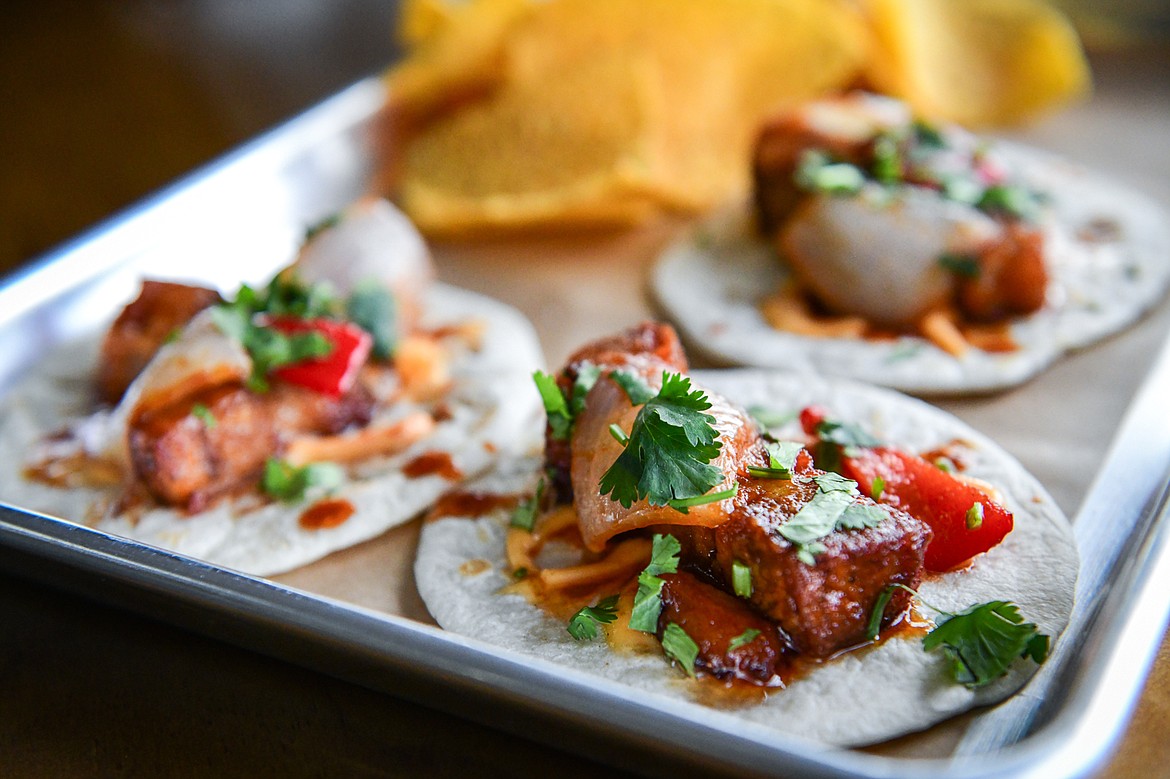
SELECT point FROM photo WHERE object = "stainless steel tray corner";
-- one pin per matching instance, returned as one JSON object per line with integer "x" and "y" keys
{"x": 260, "y": 199}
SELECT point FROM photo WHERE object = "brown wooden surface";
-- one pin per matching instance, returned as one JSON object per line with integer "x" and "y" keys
{"x": 104, "y": 102}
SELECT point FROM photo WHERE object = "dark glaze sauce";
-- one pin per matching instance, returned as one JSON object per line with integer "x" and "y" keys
{"x": 436, "y": 463}
{"x": 470, "y": 504}
{"x": 330, "y": 512}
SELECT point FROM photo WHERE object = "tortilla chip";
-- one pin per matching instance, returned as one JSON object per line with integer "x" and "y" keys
{"x": 457, "y": 53}
{"x": 610, "y": 110}
{"x": 540, "y": 152}
{"x": 977, "y": 62}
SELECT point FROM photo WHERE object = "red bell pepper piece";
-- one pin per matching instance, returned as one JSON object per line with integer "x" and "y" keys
{"x": 926, "y": 492}
{"x": 335, "y": 373}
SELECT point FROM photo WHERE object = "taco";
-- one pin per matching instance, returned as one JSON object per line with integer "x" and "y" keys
{"x": 913, "y": 255}
{"x": 263, "y": 432}
{"x": 844, "y": 577}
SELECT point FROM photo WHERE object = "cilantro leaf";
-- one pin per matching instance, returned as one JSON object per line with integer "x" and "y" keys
{"x": 560, "y": 419}
{"x": 879, "y": 609}
{"x": 671, "y": 445}
{"x": 371, "y": 306}
{"x": 288, "y": 482}
{"x": 204, "y": 415}
{"x": 664, "y": 555}
{"x": 817, "y": 172}
{"x": 636, "y": 390}
{"x": 743, "y": 639}
{"x": 680, "y": 647}
{"x": 647, "y": 604}
{"x": 834, "y": 437}
{"x": 313, "y": 230}
{"x": 587, "y": 376}
{"x": 267, "y": 347}
{"x": 781, "y": 460}
{"x": 583, "y": 625}
{"x": 832, "y": 507}
{"x": 982, "y": 642}
{"x": 963, "y": 265}
{"x": 525, "y": 513}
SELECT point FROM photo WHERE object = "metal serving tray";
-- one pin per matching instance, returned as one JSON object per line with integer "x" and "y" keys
{"x": 240, "y": 218}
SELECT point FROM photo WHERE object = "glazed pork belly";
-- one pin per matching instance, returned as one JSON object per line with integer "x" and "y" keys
{"x": 825, "y": 606}
{"x": 161, "y": 309}
{"x": 645, "y": 349}
{"x": 897, "y": 237}
{"x": 190, "y": 459}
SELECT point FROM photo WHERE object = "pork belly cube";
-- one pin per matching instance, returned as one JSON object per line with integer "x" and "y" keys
{"x": 161, "y": 308}
{"x": 826, "y": 606}
{"x": 714, "y": 620}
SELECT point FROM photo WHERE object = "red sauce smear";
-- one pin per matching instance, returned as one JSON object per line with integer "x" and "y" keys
{"x": 429, "y": 463}
{"x": 326, "y": 513}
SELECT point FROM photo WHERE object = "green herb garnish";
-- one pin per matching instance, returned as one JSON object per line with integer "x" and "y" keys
{"x": 287, "y": 482}
{"x": 817, "y": 172}
{"x": 204, "y": 415}
{"x": 525, "y": 513}
{"x": 741, "y": 579}
{"x": 583, "y": 625}
{"x": 743, "y": 639}
{"x": 975, "y": 516}
{"x": 962, "y": 265}
{"x": 372, "y": 307}
{"x": 831, "y": 508}
{"x": 664, "y": 554}
{"x": 877, "y": 487}
{"x": 669, "y": 449}
{"x": 680, "y": 647}
{"x": 983, "y": 641}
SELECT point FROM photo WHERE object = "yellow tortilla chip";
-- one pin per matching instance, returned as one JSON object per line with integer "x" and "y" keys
{"x": 457, "y": 53}
{"x": 976, "y": 62}
{"x": 540, "y": 153}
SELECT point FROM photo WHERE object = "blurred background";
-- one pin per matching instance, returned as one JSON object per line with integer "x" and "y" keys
{"x": 105, "y": 102}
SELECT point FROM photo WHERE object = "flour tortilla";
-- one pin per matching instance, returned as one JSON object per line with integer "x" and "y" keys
{"x": 711, "y": 283}
{"x": 861, "y": 698}
{"x": 493, "y": 409}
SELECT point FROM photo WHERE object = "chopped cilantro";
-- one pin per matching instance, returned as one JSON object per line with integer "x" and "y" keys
{"x": 562, "y": 412}
{"x": 741, "y": 579}
{"x": 560, "y": 419}
{"x": 975, "y": 516}
{"x": 636, "y": 390}
{"x": 877, "y": 487}
{"x": 648, "y": 599}
{"x": 267, "y": 347}
{"x": 743, "y": 639}
{"x": 372, "y": 307}
{"x": 525, "y": 513}
{"x": 879, "y": 609}
{"x": 887, "y": 159}
{"x": 927, "y": 135}
{"x": 680, "y": 647}
{"x": 670, "y": 447}
{"x": 520, "y": 573}
{"x": 1014, "y": 201}
{"x": 983, "y": 641}
{"x": 944, "y": 464}
{"x": 962, "y": 265}
{"x": 583, "y": 625}
{"x": 835, "y": 438}
{"x": 288, "y": 482}
{"x": 204, "y": 415}
{"x": 781, "y": 460}
{"x": 817, "y": 172}
{"x": 832, "y": 508}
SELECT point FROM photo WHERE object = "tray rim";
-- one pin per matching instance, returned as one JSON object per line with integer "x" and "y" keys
{"x": 1070, "y": 743}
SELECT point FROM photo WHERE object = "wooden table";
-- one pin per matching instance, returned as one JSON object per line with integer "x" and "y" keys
{"x": 105, "y": 102}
